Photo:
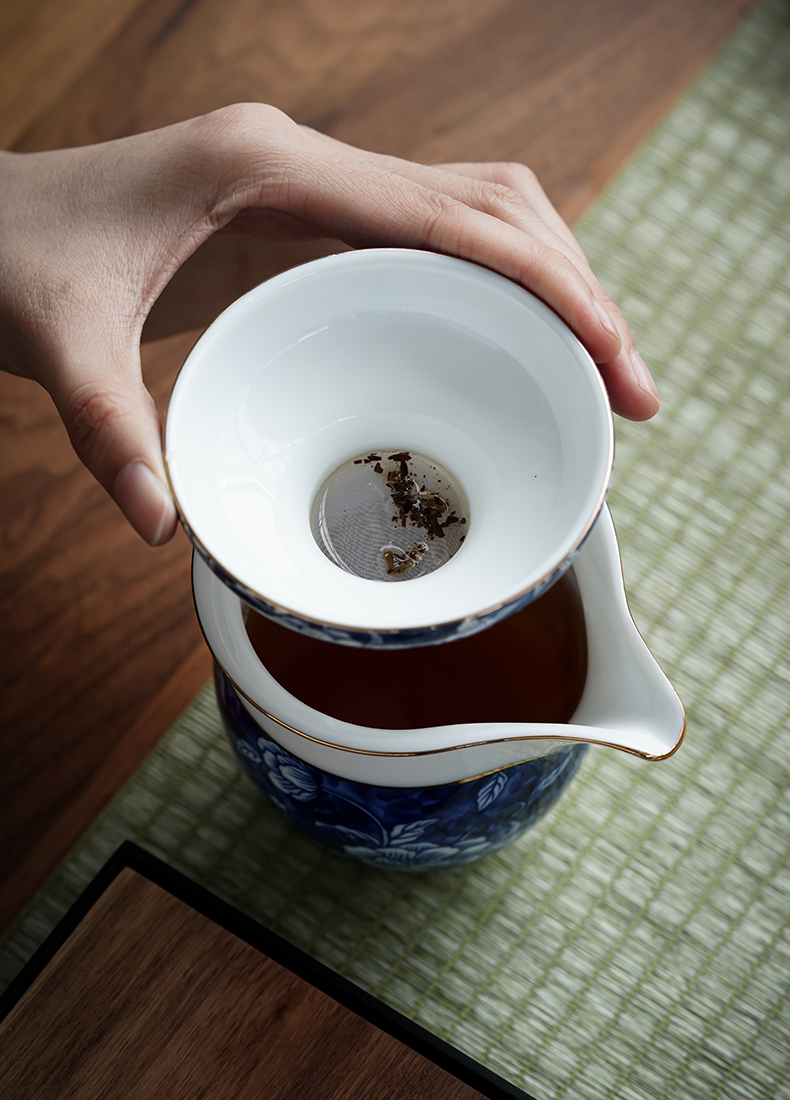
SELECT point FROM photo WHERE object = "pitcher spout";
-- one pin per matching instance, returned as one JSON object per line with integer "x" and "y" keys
{"x": 627, "y": 702}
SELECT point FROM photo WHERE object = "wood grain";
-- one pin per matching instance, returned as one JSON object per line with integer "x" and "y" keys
{"x": 96, "y": 626}
{"x": 558, "y": 85}
{"x": 148, "y": 998}
{"x": 44, "y": 46}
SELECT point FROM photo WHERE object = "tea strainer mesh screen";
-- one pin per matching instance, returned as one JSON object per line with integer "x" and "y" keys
{"x": 390, "y": 516}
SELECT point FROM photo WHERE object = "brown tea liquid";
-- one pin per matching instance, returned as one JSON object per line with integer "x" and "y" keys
{"x": 531, "y": 667}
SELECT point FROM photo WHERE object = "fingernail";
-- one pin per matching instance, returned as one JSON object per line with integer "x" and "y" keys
{"x": 643, "y": 377}
{"x": 604, "y": 317}
{"x": 145, "y": 502}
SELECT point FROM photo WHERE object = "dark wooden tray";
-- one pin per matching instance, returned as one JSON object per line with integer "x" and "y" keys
{"x": 151, "y": 987}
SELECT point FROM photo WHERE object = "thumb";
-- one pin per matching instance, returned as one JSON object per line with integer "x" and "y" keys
{"x": 115, "y": 429}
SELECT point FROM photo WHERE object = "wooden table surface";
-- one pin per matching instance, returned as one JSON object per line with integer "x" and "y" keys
{"x": 157, "y": 989}
{"x": 99, "y": 647}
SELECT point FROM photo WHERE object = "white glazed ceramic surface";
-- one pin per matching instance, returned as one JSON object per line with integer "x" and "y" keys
{"x": 381, "y": 349}
{"x": 627, "y": 702}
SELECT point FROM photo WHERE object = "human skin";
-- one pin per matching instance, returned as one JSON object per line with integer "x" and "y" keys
{"x": 91, "y": 237}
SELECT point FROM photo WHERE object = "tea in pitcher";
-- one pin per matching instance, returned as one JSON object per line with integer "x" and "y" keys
{"x": 529, "y": 668}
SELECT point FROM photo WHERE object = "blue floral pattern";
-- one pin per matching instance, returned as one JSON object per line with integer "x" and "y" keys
{"x": 395, "y": 639}
{"x": 403, "y": 828}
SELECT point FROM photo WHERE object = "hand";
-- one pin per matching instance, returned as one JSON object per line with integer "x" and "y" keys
{"x": 91, "y": 237}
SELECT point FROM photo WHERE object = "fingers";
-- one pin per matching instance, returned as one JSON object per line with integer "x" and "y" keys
{"x": 522, "y": 180}
{"x": 632, "y": 390}
{"x": 115, "y": 429}
{"x": 517, "y": 197}
{"x": 630, "y": 386}
{"x": 367, "y": 206}
{"x": 466, "y": 209}
{"x": 495, "y": 215}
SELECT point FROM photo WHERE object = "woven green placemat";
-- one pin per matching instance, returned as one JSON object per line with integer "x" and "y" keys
{"x": 635, "y": 943}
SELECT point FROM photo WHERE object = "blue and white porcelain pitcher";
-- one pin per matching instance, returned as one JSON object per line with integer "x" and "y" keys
{"x": 429, "y": 798}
